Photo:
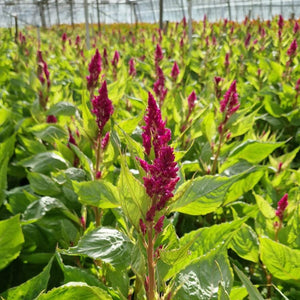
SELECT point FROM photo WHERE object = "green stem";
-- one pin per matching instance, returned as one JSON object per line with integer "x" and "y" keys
{"x": 151, "y": 269}
{"x": 214, "y": 167}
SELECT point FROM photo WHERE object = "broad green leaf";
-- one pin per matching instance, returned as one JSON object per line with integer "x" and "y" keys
{"x": 45, "y": 162}
{"x": 98, "y": 193}
{"x": 264, "y": 206}
{"x": 285, "y": 159}
{"x": 252, "y": 290}
{"x": 43, "y": 185}
{"x": 245, "y": 243}
{"x": 245, "y": 182}
{"x": 133, "y": 197}
{"x": 282, "y": 261}
{"x": 32, "y": 146}
{"x": 238, "y": 293}
{"x": 39, "y": 208}
{"x": 130, "y": 125}
{"x": 76, "y": 290}
{"x": 222, "y": 293}
{"x": 11, "y": 240}
{"x": 106, "y": 244}
{"x": 84, "y": 160}
{"x": 208, "y": 126}
{"x": 48, "y": 132}
{"x": 201, "y": 279}
{"x": 31, "y": 288}
{"x": 62, "y": 109}
{"x": 197, "y": 243}
{"x": 251, "y": 151}
{"x": 242, "y": 125}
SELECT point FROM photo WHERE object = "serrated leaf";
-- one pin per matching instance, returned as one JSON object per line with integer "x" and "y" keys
{"x": 31, "y": 288}
{"x": 264, "y": 206}
{"x": 201, "y": 279}
{"x": 45, "y": 162}
{"x": 62, "y": 109}
{"x": 43, "y": 185}
{"x": 98, "y": 193}
{"x": 245, "y": 243}
{"x": 76, "y": 290}
{"x": 106, "y": 244}
{"x": 282, "y": 261}
{"x": 48, "y": 132}
{"x": 11, "y": 240}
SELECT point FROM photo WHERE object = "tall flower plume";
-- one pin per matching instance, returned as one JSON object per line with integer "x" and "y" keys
{"x": 292, "y": 49}
{"x": 132, "y": 70}
{"x": 159, "y": 86}
{"x": 115, "y": 59}
{"x": 158, "y": 56}
{"x": 95, "y": 70}
{"x": 161, "y": 177}
{"x": 102, "y": 107}
{"x": 281, "y": 206}
{"x": 280, "y": 22}
{"x": 175, "y": 71}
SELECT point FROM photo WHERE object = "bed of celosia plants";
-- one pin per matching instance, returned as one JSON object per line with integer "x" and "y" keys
{"x": 148, "y": 167}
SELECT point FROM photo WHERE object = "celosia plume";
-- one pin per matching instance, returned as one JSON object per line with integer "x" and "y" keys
{"x": 102, "y": 107}
{"x": 159, "y": 86}
{"x": 280, "y": 22}
{"x": 175, "y": 71}
{"x": 115, "y": 59}
{"x": 158, "y": 56}
{"x": 95, "y": 70}
{"x": 191, "y": 101}
{"x": 281, "y": 206}
{"x": 292, "y": 49}
{"x": 132, "y": 70}
{"x": 296, "y": 28}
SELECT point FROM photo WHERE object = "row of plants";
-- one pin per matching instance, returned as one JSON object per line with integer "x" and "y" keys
{"x": 149, "y": 167}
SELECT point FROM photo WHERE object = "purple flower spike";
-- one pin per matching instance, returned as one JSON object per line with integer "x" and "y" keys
{"x": 155, "y": 132}
{"x": 64, "y": 37}
{"x": 158, "y": 56}
{"x": 105, "y": 141}
{"x": 293, "y": 48}
{"x": 51, "y": 119}
{"x": 280, "y": 22}
{"x": 143, "y": 227}
{"x": 159, "y": 225}
{"x": 281, "y": 206}
{"x": 296, "y": 28}
{"x": 95, "y": 70}
{"x": 175, "y": 71}
{"x": 247, "y": 40}
{"x": 230, "y": 100}
{"x": 102, "y": 107}
{"x": 132, "y": 70}
{"x": 116, "y": 59}
{"x": 159, "y": 86}
{"x": 191, "y": 101}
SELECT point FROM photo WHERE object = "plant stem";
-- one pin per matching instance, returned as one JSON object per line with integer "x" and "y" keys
{"x": 214, "y": 167}
{"x": 151, "y": 271}
{"x": 98, "y": 155}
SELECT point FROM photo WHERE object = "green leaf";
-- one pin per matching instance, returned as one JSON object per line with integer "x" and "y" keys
{"x": 208, "y": 126}
{"x": 43, "y": 185}
{"x": 62, "y": 109}
{"x": 244, "y": 183}
{"x": 201, "y": 279}
{"x": 282, "y": 261}
{"x": 133, "y": 197}
{"x": 39, "y": 208}
{"x": 76, "y": 290}
{"x": 238, "y": 293}
{"x": 98, "y": 193}
{"x": 11, "y": 240}
{"x": 45, "y": 162}
{"x": 222, "y": 293}
{"x": 264, "y": 206}
{"x": 48, "y": 132}
{"x": 251, "y": 151}
{"x": 245, "y": 243}
{"x": 106, "y": 244}
{"x": 197, "y": 243}
{"x": 31, "y": 288}
{"x": 252, "y": 290}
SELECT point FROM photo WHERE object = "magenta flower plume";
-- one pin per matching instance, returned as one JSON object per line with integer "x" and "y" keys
{"x": 105, "y": 141}
{"x": 102, "y": 107}
{"x": 175, "y": 71}
{"x": 43, "y": 72}
{"x": 191, "y": 101}
{"x": 247, "y": 40}
{"x": 158, "y": 56}
{"x": 51, "y": 119}
{"x": 105, "y": 57}
{"x": 280, "y": 22}
{"x": 132, "y": 70}
{"x": 64, "y": 37}
{"x": 297, "y": 87}
{"x": 116, "y": 59}
{"x": 159, "y": 224}
{"x": 155, "y": 133}
{"x": 95, "y": 70}
{"x": 161, "y": 176}
{"x": 226, "y": 60}
{"x": 229, "y": 105}
{"x": 77, "y": 41}
{"x": 71, "y": 139}
{"x": 292, "y": 49}
{"x": 296, "y": 28}
{"x": 184, "y": 23}
{"x": 281, "y": 206}
{"x": 159, "y": 86}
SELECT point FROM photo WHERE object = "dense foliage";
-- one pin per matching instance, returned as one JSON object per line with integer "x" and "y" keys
{"x": 146, "y": 168}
